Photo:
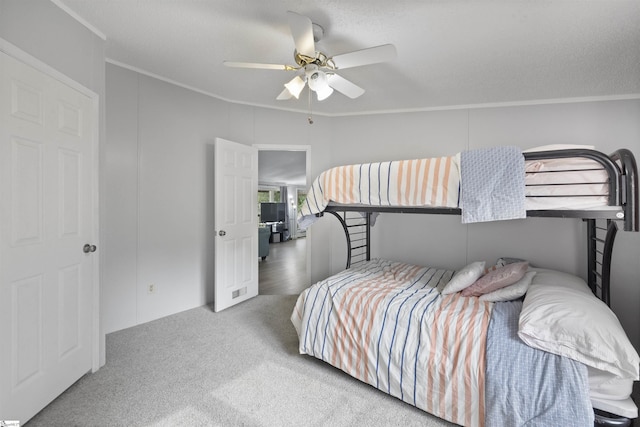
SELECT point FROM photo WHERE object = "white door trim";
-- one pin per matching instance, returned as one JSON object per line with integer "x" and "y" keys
{"x": 34, "y": 62}
{"x": 307, "y": 150}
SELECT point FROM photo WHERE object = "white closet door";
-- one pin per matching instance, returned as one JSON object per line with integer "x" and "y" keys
{"x": 46, "y": 218}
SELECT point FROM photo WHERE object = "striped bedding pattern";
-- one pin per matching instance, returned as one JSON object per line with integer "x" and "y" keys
{"x": 436, "y": 182}
{"x": 386, "y": 324}
{"x": 417, "y": 182}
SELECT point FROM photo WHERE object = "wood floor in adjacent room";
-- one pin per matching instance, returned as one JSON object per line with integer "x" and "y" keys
{"x": 284, "y": 272}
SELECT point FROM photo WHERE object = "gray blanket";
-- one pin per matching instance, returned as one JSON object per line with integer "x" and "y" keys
{"x": 492, "y": 184}
{"x": 529, "y": 387}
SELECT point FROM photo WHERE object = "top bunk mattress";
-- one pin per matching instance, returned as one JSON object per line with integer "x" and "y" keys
{"x": 487, "y": 184}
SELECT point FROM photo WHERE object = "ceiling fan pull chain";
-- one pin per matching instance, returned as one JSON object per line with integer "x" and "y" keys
{"x": 310, "y": 118}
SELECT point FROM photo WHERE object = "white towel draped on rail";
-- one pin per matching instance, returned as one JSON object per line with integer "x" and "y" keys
{"x": 492, "y": 184}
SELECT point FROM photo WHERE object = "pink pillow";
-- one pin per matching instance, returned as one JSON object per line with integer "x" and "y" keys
{"x": 496, "y": 279}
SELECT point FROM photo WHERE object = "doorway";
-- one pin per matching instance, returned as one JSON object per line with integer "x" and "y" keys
{"x": 283, "y": 174}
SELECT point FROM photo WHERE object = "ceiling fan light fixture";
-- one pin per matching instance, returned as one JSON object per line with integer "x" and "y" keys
{"x": 295, "y": 86}
{"x": 323, "y": 93}
{"x": 317, "y": 79}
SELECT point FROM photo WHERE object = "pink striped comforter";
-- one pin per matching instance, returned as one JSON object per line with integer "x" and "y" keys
{"x": 418, "y": 182}
{"x": 386, "y": 323}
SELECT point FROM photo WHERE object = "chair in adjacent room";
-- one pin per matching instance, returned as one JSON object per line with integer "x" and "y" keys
{"x": 263, "y": 242}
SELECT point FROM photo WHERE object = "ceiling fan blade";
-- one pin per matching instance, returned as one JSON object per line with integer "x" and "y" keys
{"x": 344, "y": 86}
{"x": 302, "y": 32}
{"x": 372, "y": 55}
{"x": 258, "y": 65}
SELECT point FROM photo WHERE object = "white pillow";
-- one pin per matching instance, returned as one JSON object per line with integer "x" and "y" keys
{"x": 545, "y": 276}
{"x": 464, "y": 278}
{"x": 567, "y": 321}
{"x": 605, "y": 385}
{"x": 510, "y": 292}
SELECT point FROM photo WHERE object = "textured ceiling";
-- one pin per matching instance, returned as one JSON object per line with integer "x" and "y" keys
{"x": 450, "y": 53}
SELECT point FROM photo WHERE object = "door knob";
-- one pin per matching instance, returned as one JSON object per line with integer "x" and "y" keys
{"x": 89, "y": 248}
{"x": 222, "y": 233}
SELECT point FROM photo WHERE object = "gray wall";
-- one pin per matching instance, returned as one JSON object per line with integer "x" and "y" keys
{"x": 45, "y": 31}
{"x": 160, "y": 187}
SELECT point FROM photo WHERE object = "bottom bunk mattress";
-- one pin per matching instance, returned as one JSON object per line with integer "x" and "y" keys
{"x": 387, "y": 324}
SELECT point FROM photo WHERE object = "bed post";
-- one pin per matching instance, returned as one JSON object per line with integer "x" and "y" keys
{"x": 592, "y": 252}
{"x": 629, "y": 183}
{"x": 600, "y": 250}
{"x": 612, "y": 229}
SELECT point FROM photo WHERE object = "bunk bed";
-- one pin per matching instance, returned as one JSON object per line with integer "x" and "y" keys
{"x": 459, "y": 344}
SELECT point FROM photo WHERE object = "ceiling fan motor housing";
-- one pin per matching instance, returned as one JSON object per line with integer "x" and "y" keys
{"x": 320, "y": 59}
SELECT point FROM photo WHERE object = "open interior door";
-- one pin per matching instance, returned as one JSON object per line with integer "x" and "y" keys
{"x": 236, "y": 223}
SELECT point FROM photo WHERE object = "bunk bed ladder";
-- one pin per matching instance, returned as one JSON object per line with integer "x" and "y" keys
{"x": 357, "y": 230}
{"x": 600, "y": 238}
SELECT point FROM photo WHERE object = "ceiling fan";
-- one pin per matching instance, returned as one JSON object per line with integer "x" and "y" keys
{"x": 317, "y": 69}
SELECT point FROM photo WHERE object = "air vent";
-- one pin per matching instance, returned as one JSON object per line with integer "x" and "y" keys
{"x": 238, "y": 293}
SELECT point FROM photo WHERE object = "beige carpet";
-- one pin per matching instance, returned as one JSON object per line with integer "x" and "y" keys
{"x": 240, "y": 367}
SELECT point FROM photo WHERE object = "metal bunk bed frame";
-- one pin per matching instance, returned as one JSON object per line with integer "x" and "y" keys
{"x": 621, "y": 168}
{"x": 602, "y": 226}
